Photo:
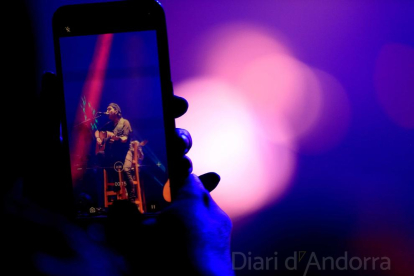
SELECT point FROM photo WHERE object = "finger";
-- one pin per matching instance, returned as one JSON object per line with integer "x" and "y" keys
{"x": 180, "y": 106}
{"x": 184, "y": 141}
{"x": 182, "y": 166}
{"x": 185, "y": 167}
{"x": 180, "y": 170}
{"x": 210, "y": 180}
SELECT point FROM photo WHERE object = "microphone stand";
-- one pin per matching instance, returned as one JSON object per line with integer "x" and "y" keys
{"x": 87, "y": 120}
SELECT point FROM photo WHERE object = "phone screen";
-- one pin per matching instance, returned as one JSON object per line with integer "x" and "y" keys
{"x": 112, "y": 91}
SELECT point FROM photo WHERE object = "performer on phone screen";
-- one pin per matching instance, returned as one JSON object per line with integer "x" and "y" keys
{"x": 113, "y": 145}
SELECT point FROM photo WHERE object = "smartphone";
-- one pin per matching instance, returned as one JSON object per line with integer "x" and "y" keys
{"x": 113, "y": 69}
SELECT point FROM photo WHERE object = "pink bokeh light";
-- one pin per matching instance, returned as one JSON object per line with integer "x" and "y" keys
{"x": 333, "y": 120}
{"x": 285, "y": 95}
{"x": 253, "y": 106}
{"x": 225, "y": 51}
{"x": 394, "y": 83}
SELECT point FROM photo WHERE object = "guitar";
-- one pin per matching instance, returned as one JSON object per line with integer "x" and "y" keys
{"x": 100, "y": 147}
{"x": 103, "y": 135}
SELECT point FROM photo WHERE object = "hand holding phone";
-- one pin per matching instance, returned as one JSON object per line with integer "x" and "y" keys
{"x": 54, "y": 245}
{"x": 175, "y": 234}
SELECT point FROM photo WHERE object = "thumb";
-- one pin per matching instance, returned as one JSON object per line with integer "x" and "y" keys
{"x": 210, "y": 180}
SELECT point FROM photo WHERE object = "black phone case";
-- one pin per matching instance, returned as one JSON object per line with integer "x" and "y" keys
{"x": 115, "y": 17}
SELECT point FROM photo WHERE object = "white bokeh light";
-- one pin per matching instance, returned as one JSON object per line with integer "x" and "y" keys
{"x": 227, "y": 140}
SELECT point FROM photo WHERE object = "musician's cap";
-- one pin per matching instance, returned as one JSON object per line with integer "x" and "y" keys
{"x": 116, "y": 107}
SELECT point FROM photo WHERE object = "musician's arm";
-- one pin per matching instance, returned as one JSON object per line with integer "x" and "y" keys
{"x": 123, "y": 139}
{"x": 126, "y": 130}
{"x": 98, "y": 139}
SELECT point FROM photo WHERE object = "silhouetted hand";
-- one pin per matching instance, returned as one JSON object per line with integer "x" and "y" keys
{"x": 191, "y": 235}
